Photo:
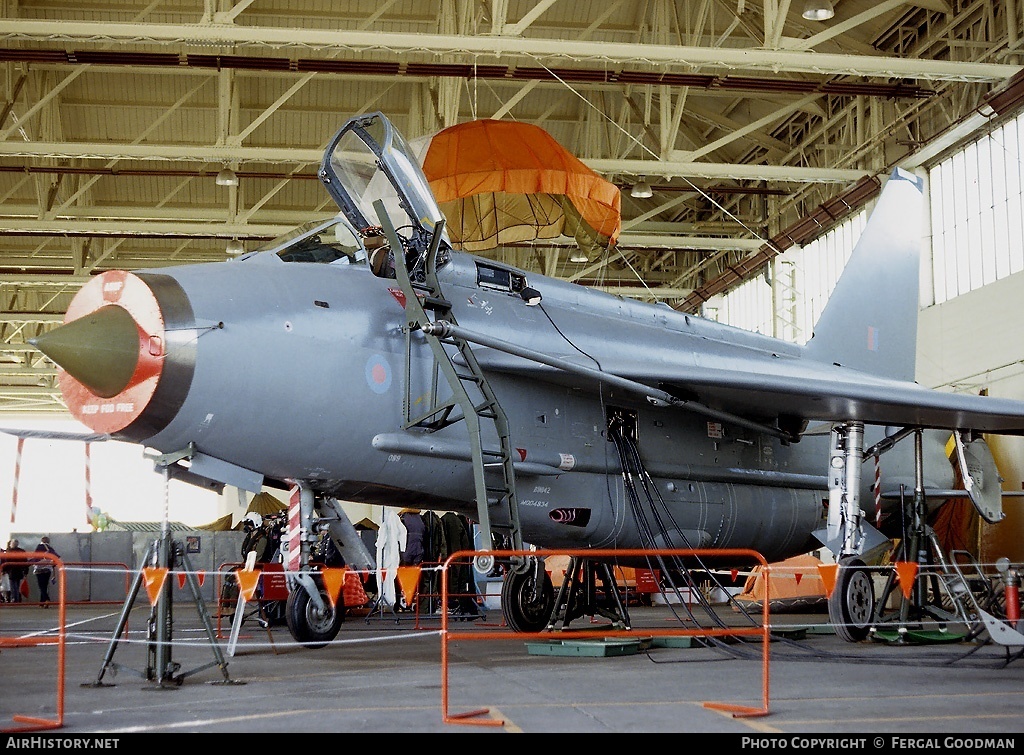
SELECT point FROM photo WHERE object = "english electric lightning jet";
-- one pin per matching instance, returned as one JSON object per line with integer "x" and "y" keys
{"x": 366, "y": 359}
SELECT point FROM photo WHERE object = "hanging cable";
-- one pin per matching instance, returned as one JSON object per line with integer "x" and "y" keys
{"x": 636, "y": 481}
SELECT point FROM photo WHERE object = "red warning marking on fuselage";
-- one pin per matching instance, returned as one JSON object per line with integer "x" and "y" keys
{"x": 399, "y": 296}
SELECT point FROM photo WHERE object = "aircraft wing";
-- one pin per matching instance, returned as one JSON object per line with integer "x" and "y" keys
{"x": 767, "y": 387}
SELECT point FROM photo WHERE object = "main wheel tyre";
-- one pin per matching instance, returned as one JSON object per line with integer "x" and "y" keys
{"x": 309, "y": 625}
{"x": 525, "y": 605}
{"x": 851, "y": 605}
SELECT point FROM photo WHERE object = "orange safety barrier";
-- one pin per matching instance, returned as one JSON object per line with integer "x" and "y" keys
{"x": 411, "y": 579}
{"x": 408, "y": 581}
{"x": 447, "y": 635}
{"x": 33, "y": 723}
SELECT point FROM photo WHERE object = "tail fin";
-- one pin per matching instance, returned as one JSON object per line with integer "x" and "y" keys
{"x": 870, "y": 321}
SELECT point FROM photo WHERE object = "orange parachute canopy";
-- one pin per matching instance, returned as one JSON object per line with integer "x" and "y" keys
{"x": 502, "y": 182}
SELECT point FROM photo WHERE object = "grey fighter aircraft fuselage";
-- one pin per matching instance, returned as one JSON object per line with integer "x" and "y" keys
{"x": 311, "y": 387}
{"x": 304, "y": 364}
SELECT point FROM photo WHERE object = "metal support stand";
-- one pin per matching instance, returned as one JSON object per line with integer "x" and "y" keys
{"x": 379, "y": 607}
{"x": 931, "y": 585}
{"x": 161, "y": 668}
{"x": 577, "y": 595}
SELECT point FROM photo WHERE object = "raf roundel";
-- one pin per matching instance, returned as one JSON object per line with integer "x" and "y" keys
{"x": 378, "y": 374}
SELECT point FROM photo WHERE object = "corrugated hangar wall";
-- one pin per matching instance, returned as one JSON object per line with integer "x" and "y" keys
{"x": 100, "y": 566}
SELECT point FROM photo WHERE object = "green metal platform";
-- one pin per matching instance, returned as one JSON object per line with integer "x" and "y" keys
{"x": 917, "y": 636}
{"x": 596, "y": 648}
{"x": 611, "y": 646}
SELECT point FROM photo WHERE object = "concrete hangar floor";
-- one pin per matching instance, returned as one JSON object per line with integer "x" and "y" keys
{"x": 384, "y": 674}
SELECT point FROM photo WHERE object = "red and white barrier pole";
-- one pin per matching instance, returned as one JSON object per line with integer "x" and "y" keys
{"x": 17, "y": 479}
{"x": 293, "y": 534}
{"x": 88, "y": 482}
{"x": 878, "y": 492}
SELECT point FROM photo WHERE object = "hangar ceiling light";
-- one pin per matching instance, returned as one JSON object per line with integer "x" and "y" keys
{"x": 641, "y": 189}
{"x": 818, "y": 10}
{"x": 227, "y": 177}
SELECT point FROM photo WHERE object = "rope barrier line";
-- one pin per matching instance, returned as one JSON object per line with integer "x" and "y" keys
{"x": 82, "y": 566}
{"x": 776, "y": 573}
{"x": 78, "y": 638}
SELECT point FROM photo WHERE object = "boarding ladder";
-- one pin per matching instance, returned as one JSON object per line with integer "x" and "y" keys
{"x": 471, "y": 395}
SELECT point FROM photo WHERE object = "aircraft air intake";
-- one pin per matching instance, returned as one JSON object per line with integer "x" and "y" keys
{"x": 112, "y": 351}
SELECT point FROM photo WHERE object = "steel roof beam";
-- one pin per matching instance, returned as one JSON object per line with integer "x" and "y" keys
{"x": 213, "y": 228}
{"x": 509, "y": 48}
{"x": 197, "y": 153}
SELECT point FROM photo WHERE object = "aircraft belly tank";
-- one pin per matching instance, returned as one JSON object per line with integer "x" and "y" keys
{"x": 594, "y": 509}
{"x": 589, "y": 504}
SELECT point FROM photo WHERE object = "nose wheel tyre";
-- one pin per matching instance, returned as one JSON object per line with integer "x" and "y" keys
{"x": 851, "y": 605}
{"x": 309, "y": 625}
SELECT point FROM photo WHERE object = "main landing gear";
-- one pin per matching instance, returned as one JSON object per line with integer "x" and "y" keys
{"x": 527, "y": 597}
{"x": 851, "y": 605}
{"x": 528, "y": 602}
{"x": 937, "y": 590}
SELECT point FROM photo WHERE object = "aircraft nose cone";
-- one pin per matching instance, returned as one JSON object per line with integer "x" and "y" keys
{"x": 99, "y": 350}
{"x": 112, "y": 351}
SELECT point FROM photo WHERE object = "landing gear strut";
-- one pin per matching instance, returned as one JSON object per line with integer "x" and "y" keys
{"x": 851, "y": 604}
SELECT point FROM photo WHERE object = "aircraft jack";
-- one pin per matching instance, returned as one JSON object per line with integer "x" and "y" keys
{"x": 577, "y": 595}
{"x": 935, "y": 589}
{"x": 938, "y": 592}
{"x": 161, "y": 668}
